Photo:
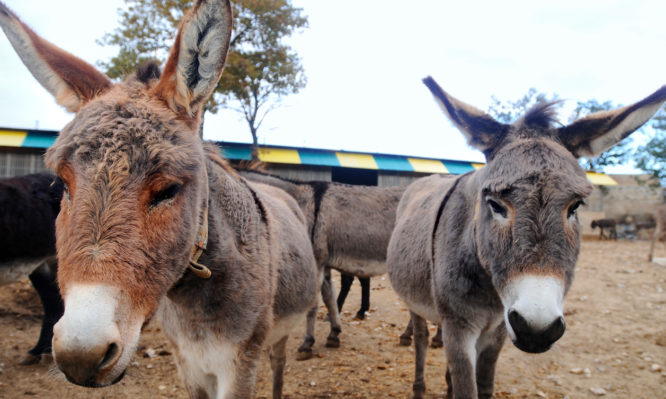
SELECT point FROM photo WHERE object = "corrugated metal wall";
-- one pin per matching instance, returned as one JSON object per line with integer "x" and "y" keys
{"x": 20, "y": 163}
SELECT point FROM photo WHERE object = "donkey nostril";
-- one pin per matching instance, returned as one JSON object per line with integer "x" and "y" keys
{"x": 112, "y": 354}
{"x": 555, "y": 330}
{"x": 518, "y": 323}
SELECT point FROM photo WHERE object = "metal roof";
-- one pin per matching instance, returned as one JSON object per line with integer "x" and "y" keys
{"x": 299, "y": 156}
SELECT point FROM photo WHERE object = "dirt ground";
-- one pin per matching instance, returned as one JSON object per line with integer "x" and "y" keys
{"x": 614, "y": 346}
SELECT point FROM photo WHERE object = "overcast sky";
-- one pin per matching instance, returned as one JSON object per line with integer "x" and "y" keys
{"x": 365, "y": 60}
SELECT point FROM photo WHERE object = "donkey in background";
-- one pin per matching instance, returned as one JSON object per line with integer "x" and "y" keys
{"x": 154, "y": 222}
{"x": 659, "y": 230}
{"x": 349, "y": 227}
{"x": 609, "y": 225}
{"x": 28, "y": 208}
{"x": 493, "y": 252}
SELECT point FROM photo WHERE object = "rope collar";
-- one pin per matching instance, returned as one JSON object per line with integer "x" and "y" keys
{"x": 198, "y": 269}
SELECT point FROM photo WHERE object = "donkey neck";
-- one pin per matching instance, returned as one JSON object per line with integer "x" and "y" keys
{"x": 237, "y": 222}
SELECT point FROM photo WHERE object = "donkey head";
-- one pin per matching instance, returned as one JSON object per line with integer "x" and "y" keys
{"x": 527, "y": 234}
{"x": 134, "y": 170}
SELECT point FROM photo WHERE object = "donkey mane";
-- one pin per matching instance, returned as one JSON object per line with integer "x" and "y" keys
{"x": 542, "y": 115}
{"x": 147, "y": 71}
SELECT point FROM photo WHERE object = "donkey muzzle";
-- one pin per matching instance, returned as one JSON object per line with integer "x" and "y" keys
{"x": 533, "y": 312}
{"x": 534, "y": 340}
{"x": 87, "y": 342}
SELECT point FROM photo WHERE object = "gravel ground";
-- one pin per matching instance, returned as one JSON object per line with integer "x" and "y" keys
{"x": 614, "y": 347}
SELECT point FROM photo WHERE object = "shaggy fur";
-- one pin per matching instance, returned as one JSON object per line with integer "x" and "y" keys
{"x": 138, "y": 181}
{"x": 462, "y": 246}
{"x": 349, "y": 226}
{"x": 29, "y": 206}
{"x": 660, "y": 228}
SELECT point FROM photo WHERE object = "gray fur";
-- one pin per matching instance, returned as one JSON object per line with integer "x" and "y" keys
{"x": 350, "y": 227}
{"x": 462, "y": 245}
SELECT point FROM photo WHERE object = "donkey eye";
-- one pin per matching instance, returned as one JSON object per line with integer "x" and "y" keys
{"x": 574, "y": 207}
{"x": 496, "y": 207}
{"x": 165, "y": 195}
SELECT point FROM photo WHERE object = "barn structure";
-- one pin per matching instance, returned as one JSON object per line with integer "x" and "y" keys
{"x": 21, "y": 152}
{"x": 616, "y": 196}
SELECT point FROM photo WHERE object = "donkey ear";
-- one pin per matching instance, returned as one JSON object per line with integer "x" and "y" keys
{"x": 72, "y": 81}
{"x": 197, "y": 58}
{"x": 481, "y": 130}
{"x": 594, "y": 134}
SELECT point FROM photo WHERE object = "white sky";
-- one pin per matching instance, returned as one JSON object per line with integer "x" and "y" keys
{"x": 365, "y": 60}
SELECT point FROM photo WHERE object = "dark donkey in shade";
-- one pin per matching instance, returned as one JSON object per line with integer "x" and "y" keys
{"x": 605, "y": 224}
{"x": 154, "y": 222}
{"x": 349, "y": 227}
{"x": 28, "y": 208}
{"x": 493, "y": 251}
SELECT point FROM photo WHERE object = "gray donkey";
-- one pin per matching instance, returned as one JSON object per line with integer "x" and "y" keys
{"x": 493, "y": 251}
{"x": 154, "y": 222}
{"x": 349, "y": 226}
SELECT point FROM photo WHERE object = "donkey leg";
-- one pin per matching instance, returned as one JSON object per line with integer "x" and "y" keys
{"x": 654, "y": 239}
{"x": 328, "y": 295}
{"x": 278, "y": 357}
{"x": 365, "y": 297}
{"x": 44, "y": 281}
{"x": 489, "y": 350}
{"x": 406, "y": 336}
{"x": 460, "y": 349}
{"x": 437, "y": 339}
{"x": 346, "y": 281}
{"x": 420, "y": 348}
{"x": 305, "y": 350}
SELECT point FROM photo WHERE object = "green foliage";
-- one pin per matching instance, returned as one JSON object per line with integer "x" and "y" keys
{"x": 651, "y": 157}
{"x": 260, "y": 68}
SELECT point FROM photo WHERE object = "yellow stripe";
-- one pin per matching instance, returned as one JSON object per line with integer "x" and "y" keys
{"x": 10, "y": 138}
{"x": 478, "y": 166}
{"x": 599, "y": 179}
{"x": 427, "y": 165}
{"x": 279, "y": 155}
{"x": 362, "y": 161}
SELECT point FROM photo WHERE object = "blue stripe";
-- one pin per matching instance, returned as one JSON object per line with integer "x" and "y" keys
{"x": 320, "y": 158}
{"x": 39, "y": 140}
{"x": 238, "y": 153}
{"x": 393, "y": 163}
{"x": 458, "y": 167}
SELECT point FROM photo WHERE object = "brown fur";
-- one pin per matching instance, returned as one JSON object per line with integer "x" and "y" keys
{"x": 138, "y": 181}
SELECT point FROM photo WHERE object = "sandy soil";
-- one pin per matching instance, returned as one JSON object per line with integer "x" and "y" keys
{"x": 614, "y": 347}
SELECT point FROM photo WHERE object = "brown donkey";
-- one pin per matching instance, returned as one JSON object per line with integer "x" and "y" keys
{"x": 154, "y": 222}
{"x": 350, "y": 227}
{"x": 493, "y": 251}
{"x": 659, "y": 229}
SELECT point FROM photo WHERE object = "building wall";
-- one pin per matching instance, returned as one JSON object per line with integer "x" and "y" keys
{"x": 389, "y": 178}
{"x": 299, "y": 172}
{"x": 16, "y": 162}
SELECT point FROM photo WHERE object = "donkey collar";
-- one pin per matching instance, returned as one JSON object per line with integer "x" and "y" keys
{"x": 198, "y": 269}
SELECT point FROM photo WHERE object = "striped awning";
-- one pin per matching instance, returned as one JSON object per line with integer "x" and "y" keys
{"x": 299, "y": 156}
{"x": 315, "y": 157}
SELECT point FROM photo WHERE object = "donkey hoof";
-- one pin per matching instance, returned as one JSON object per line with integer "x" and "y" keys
{"x": 360, "y": 316}
{"x": 405, "y": 341}
{"x": 419, "y": 391}
{"x": 304, "y": 354}
{"x": 332, "y": 342}
{"x": 30, "y": 359}
{"x": 436, "y": 343}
